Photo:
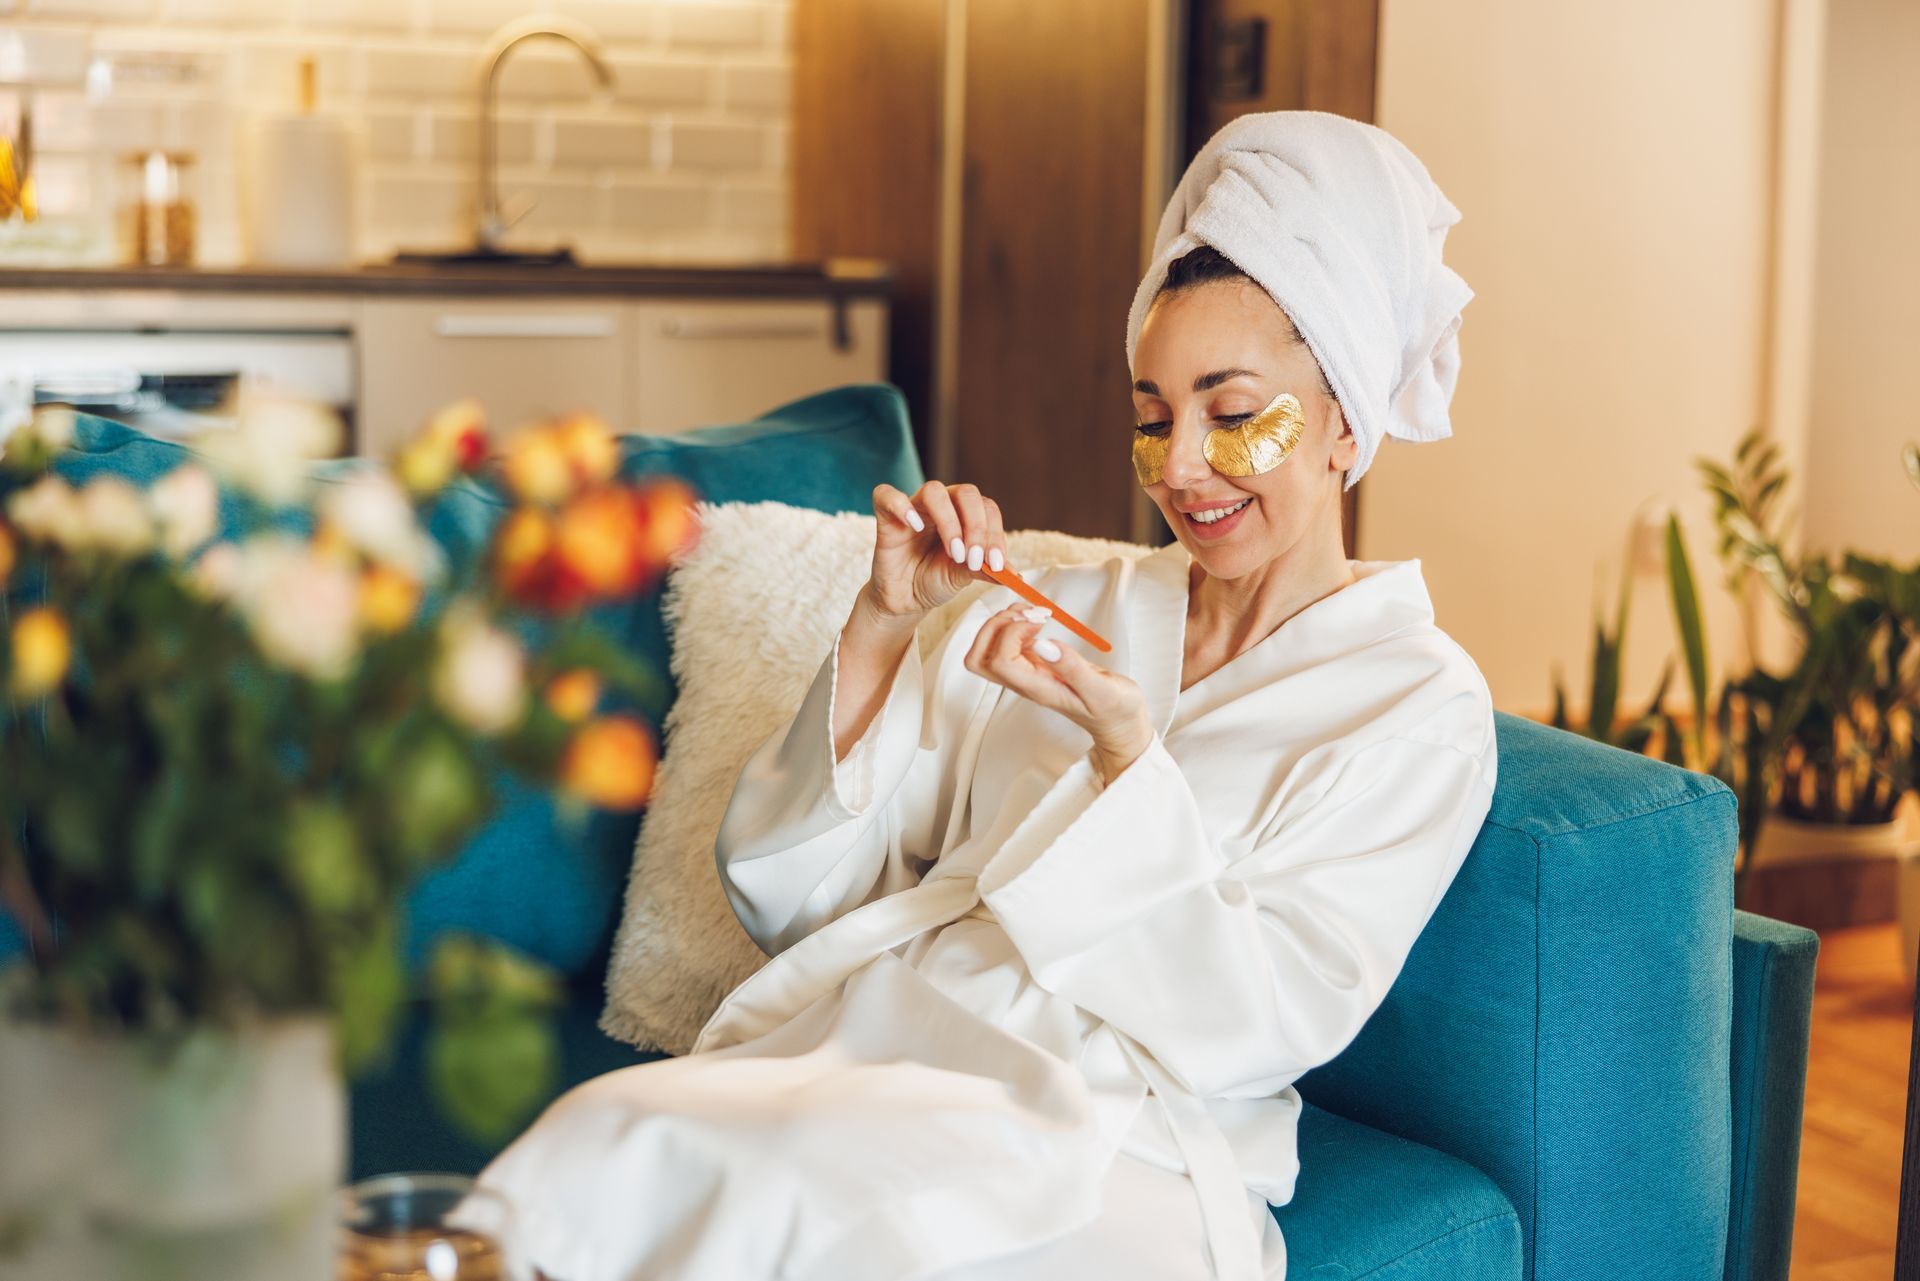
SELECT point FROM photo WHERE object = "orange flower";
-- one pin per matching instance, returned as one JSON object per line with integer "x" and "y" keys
{"x": 670, "y": 524}
{"x": 573, "y": 695}
{"x": 526, "y": 567}
{"x": 42, "y": 649}
{"x": 388, "y": 599}
{"x": 589, "y": 446}
{"x": 461, "y": 430}
{"x": 9, "y": 553}
{"x": 610, "y": 763}
{"x": 598, "y": 537}
{"x": 537, "y": 467}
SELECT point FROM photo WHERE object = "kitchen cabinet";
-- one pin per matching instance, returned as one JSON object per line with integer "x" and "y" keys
{"x": 523, "y": 359}
{"x": 699, "y": 362}
{"x": 653, "y": 349}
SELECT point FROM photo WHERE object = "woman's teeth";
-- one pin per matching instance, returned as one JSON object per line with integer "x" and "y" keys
{"x": 1218, "y": 513}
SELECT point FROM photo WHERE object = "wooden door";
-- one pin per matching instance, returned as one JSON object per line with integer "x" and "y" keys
{"x": 1050, "y": 252}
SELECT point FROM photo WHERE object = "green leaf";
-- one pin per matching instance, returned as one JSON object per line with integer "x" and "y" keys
{"x": 324, "y": 858}
{"x": 434, "y": 794}
{"x": 371, "y": 987}
{"x": 488, "y": 1072}
{"x": 1693, "y": 638}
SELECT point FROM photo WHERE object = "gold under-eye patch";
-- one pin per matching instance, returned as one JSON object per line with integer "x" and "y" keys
{"x": 1257, "y": 445}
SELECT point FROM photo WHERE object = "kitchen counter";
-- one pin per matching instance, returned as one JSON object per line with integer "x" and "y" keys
{"x": 837, "y": 278}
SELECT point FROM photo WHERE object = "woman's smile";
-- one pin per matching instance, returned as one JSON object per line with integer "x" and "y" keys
{"x": 1214, "y": 521}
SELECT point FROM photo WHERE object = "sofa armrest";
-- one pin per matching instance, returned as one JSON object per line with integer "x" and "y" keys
{"x": 1773, "y": 966}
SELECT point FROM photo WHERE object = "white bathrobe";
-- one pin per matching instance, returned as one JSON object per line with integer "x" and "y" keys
{"x": 1017, "y": 1024}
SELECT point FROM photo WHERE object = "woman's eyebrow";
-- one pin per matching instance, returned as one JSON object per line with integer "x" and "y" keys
{"x": 1205, "y": 382}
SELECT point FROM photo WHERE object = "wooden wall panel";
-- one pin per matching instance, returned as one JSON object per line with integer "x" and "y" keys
{"x": 866, "y": 160}
{"x": 1054, "y": 144}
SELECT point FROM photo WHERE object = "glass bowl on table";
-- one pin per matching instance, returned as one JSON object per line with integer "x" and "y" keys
{"x": 426, "y": 1227}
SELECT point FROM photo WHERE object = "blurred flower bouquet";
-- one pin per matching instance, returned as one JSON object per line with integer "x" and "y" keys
{"x": 238, "y": 721}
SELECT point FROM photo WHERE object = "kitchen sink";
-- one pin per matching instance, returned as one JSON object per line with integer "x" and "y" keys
{"x": 559, "y": 257}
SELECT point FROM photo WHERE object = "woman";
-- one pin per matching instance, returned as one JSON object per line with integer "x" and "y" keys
{"x": 1052, "y": 938}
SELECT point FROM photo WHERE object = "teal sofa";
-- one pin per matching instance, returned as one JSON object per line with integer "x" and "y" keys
{"x": 1591, "y": 1067}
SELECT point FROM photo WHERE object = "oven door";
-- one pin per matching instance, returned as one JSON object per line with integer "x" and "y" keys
{"x": 171, "y": 383}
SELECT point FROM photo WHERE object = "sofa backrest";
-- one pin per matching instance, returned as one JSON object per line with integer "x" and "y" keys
{"x": 1563, "y": 1023}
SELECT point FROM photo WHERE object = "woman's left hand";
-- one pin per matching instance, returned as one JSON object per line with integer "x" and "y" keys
{"x": 1010, "y": 651}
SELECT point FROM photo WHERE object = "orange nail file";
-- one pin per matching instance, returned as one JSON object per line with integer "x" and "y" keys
{"x": 1007, "y": 578}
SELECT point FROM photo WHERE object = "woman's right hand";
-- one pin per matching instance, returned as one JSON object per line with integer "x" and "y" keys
{"x": 915, "y": 536}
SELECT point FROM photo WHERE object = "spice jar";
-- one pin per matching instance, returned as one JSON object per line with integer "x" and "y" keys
{"x": 156, "y": 208}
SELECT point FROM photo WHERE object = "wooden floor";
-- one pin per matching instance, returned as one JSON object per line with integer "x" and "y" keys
{"x": 1843, "y": 1228}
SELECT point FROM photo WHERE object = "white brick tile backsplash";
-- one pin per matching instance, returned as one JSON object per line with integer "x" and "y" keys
{"x": 639, "y": 208}
{"x": 621, "y": 144}
{"x": 616, "y": 21}
{"x": 663, "y": 82}
{"x": 757, "y": 86}
{"x": 269, "y": 74}
{"x": 436, "y": 209}
{"x": 547, "y": 73}
{"x": 760, "y": 207}
{"x": 686, "y": 159}
{"x": 225, "y": 13}
{"x": 374, "y": 15}
{"x": 400, "y": 72}
{"x": 473, "y": 17}
{"x": 712, "y": 146}
{"x": 391, "y": 135}
{"x": 43, "y": 57}
{"x": 717, "y": 25}
{"x": 560, "y": 210}
{"x": 453, "y": 136}
{"x": 109, "y": 10}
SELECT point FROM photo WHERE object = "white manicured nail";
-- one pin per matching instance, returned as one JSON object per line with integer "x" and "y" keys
{"x": 975, "y": 558}
{"x": 996, "y": 560}
{"x": 913, "y": 518}
{"x": 1036, "y": 613}
{"x": 1047, "y": 650}
{"x": 958, "y": 550}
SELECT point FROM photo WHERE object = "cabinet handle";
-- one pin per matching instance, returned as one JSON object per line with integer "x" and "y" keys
{"x": 483, "y": 326}
{"x": 742, "y": 329}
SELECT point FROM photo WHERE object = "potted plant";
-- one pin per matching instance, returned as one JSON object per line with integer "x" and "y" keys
{"x": 1822, "y": 753}
{"x": 236, "y": 724}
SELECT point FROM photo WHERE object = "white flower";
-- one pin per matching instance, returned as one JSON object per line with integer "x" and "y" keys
{"x": 373, "y": 514}
{"x": 48, "y": 511}
{"x": 113, "y": 518}
{"x": 52, "y": 426}
{"x": 480, "y": 678}
{"x": 302, "y": 607}
{"x": 216, "y": 575}
{"x": 186, "y": 505}
{"x": 272, "y": 445}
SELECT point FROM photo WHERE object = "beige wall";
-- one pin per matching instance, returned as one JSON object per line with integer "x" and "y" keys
{"x": 1866, "y": 344}
{"x": 1615, "y": 168}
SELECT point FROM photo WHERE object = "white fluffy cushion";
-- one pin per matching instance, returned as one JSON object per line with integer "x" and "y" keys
{"x": 752, "y": 612}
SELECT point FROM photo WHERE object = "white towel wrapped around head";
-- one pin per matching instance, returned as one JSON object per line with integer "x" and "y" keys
{"x": 1342, "y": 225}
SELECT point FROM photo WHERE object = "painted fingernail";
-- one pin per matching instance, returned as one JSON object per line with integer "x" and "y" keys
{"x": 913, "y": 518}
{"x": 1047, "y": 650}
{"x": 1036, "y": 613}
{"x": 996, "y": 560}
{"x": 958, "y": 550}
{"x": 975, "y": 557}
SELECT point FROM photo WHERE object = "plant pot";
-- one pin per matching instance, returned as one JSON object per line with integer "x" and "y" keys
{"x": 1789, "y": 840}
{"x": 127, "y": 1163}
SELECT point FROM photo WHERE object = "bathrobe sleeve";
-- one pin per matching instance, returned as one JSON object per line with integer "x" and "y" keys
{"x": 805, "y": 839}
{"x": 1240, "y": 976}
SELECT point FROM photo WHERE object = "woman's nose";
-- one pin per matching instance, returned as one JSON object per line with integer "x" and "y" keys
{"x": 1187, "y": 464}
